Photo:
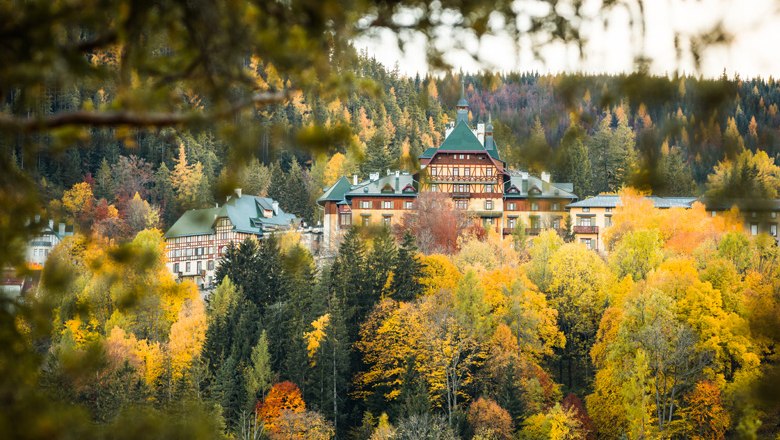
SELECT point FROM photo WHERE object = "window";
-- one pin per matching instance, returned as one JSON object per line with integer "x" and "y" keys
{"x": 511, "y": 206}
{"x": 584, "y": 221}
{"x": 387, "y": 204}
{"x": 366, "y": 220}
{"x": 773, "y": 214}
{"x": 608, "y": 221}
{"x": 462, "y": 204}
{"x": 535, "y": 224}
{"x": 555, "y": 206}
{"x": 386, "y": 220}
{"x": 585, "y": 209}
{"x": 487, "y": 222}
{"x": 557, "y": 223}
{"x": 534, "y": 206}
{"x": 754, "y": 229}
{"x": 200, "y": 267}
{"x": 488, "y": 188}
{"x": 608, "y": 209}
{"x": 752, "y": 215}
{"x": 712, "y": 213}
{"x": 456, "y": 171}
{"x": 365, "y": 204}
{"x": 408, "y": 205}
{"x": 434, "y": 187}
{"x": 511, "y": 223}
{"x": 467, "y": 171}
{"x": 210, "y": 265}
{"x": 489, "y": 171}
{"x": 488, "y": 205}
{"x": 434, "y": 171}
{"x": 773, "y": 229}
{"x": 187, "y": 267}
{"x": 345, "y": 219}
{"x": 176, "y": 268}
{"x": 461, "y": 156}
{"x": 587, "y": 242}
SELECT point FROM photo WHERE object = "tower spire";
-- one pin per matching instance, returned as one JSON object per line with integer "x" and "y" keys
{"x": 463, "y": 105}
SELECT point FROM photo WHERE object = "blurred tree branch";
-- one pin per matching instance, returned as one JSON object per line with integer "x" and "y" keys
{"x": 133, "y": 118}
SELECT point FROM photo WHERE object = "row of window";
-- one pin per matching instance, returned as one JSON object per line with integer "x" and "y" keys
{"x": 386, "y": 204}
{"x": 512, "y": 206}
{"x": 189, "y": 239}
{"x": 188, "y": 266}
{"x": 345, "y": 220}
{"x": 536, "y": 223}
{"x": 191, "y": 252}
{"x": 464, "y": 188}
{"x": 456, "y": 172}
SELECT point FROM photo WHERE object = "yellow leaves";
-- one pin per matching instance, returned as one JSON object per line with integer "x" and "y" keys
{"x": 315, "y": 337}
{"x": 78, "y": 199}
{"x": 187, "y": 336}
{"x": 438, "y": 274}
{"x": 152, "y": 360}
{"x": 336, "y": 167}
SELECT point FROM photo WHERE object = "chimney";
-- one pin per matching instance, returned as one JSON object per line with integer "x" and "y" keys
{"x": 62, "y": 229}
{"x": 275, "y": 207}
{"x": 389, "y": 172}
{"x": 545, "y": 176}
{"x": 525, "y": 182}
{"x": 37, "y": 218}
{"x": 396, "y": 182}
{"x": 354, "y": 179}
{"x": 373, "y": 176}
{"x": 51, "y": 224}
{"x": 238, "y": 192}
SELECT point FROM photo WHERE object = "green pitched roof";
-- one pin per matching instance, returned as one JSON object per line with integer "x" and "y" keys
{"x": 428, "y": 153}
{"x": 461, "y": 139}
{"x": 195, "y": 222}
{"x": 245, "y": 213}
{"x": 337, "y": 191}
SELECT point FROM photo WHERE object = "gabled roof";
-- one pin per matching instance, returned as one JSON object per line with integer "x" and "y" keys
{"x": 535, "y": 187}
{"x": 428, "y": 153}
{"x": 613, "y": 201}
{"x": 461, "y": 139}
{"x": 336, "y": 191}
{"x": 246, "y": 213}
{"x": 392, "y": 185}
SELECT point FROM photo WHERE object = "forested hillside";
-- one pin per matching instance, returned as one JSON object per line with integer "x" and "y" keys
{"x": 670, "y": 336}
{"x": 599, "y": 132}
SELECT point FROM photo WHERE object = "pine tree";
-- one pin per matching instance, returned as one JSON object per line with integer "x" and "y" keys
{"x": 164, "y": 195}
{"x": 574, "y": 165}
{"x": 381, "y": 263}
{"x": 104, "y": 182}
{"x": 408, "y": 273}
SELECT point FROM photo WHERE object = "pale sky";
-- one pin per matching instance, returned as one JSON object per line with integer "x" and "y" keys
{"x": 755, "y": 51}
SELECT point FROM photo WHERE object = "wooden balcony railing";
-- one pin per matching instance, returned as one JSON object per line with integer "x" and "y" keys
{"x": 586, "y": 229}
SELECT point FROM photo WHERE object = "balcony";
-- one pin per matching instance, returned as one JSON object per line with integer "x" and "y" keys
{"x": 460, "y": 194}
{"x": 586, "y": 229}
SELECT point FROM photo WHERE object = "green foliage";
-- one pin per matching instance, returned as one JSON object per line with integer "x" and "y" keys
{"x": 636, "y": 254}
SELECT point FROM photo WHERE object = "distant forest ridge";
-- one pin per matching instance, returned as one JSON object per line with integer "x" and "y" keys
{"x": 597, "y": 131}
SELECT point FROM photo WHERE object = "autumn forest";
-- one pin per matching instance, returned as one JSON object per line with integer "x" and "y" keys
{"x": 116, "y": 119}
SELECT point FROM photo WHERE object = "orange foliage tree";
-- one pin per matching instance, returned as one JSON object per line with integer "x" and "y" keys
{"x": 488, "y": 418}
{"x": 706, "y": 416}
{"x": 284, "y": 396}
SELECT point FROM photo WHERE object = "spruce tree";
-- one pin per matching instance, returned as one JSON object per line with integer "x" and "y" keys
{"x": 381, "y": 263}
{"x": 406, "y": 284}
{"x": 104, "y": 182}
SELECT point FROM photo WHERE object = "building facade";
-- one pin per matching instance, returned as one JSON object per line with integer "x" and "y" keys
{"x": 468, "y": 168}
{"x": 39, "y": 247}
{"x": 593, "y": 216}
{"x": 196, "y": 242}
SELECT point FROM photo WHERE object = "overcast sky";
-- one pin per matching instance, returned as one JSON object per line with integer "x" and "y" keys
{"x": 755, "y": 51}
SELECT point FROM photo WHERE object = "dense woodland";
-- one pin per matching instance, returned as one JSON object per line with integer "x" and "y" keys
{"x": 670, "y": 336}
{"x": 118, "y": 117}
{"x": 576, "y": 127}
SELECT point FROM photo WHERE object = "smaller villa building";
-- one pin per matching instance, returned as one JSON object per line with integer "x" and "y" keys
{"x": 196, "y": 242}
